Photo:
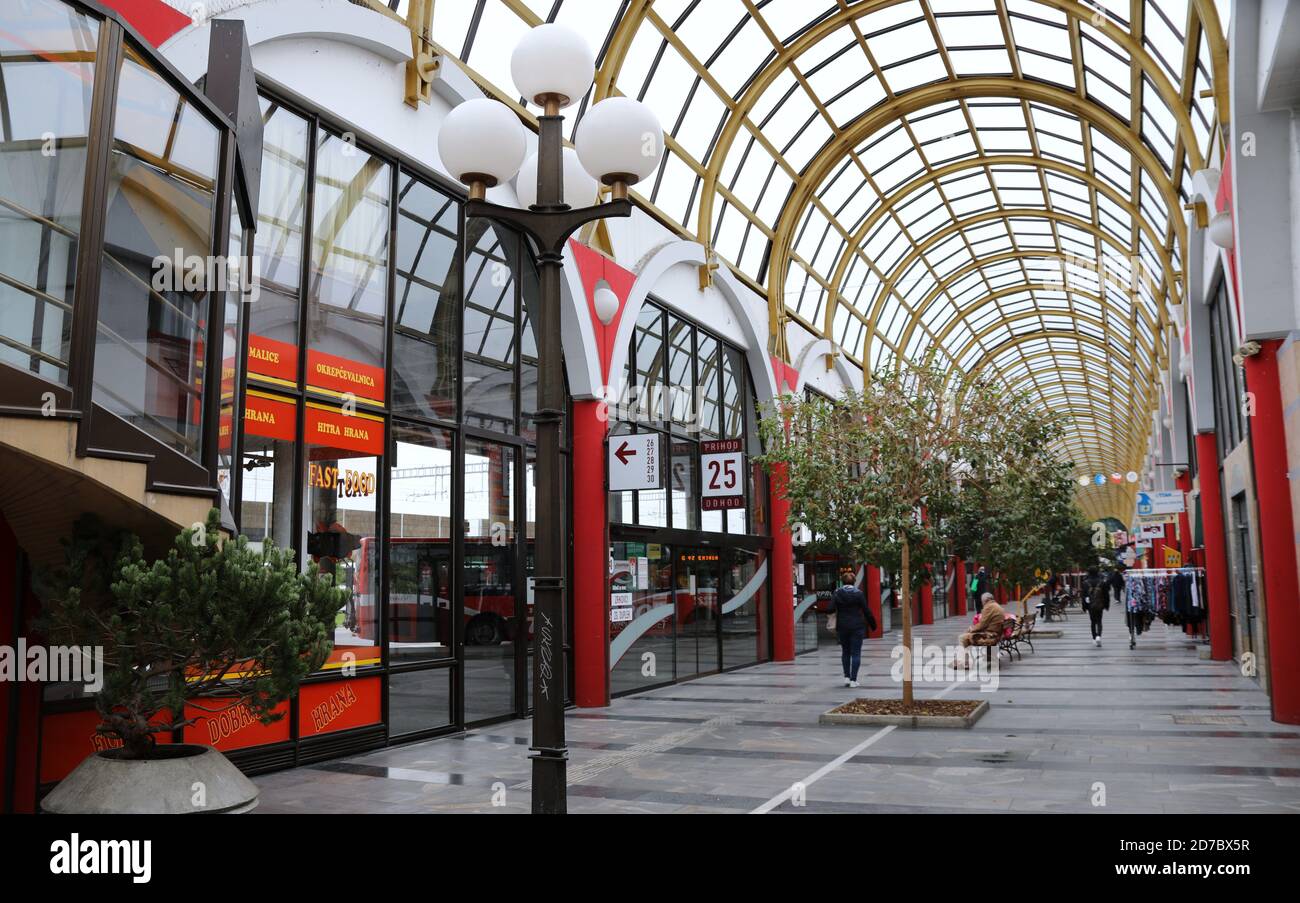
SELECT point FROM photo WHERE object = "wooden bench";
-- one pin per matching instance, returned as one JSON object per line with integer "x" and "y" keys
{"x": 1022, "y": 632}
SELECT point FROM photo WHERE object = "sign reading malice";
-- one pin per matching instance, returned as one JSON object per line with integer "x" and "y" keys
{"x": 722, "y": 474}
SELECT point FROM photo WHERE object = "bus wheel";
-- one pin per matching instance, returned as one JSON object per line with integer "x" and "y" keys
{"x": 483, "y": 630}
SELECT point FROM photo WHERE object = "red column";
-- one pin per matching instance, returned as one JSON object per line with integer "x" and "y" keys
{"x": 871, "y": 587}
{"x": 1277, "y": 533}
{"x": 1216, "y": 552}
{"x": 1184, "y": 522}
{"x": 959, "y": 588}
{"x": 925, "y": 604}
{"x": 590, "y": 557}
{"x": 782, "y": 572}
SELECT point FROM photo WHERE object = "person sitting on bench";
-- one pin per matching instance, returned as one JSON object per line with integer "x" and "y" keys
{"x": 987, "y": 629}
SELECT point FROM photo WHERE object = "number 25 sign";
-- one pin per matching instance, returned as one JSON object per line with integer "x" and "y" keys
{"x": 722, "y": 474}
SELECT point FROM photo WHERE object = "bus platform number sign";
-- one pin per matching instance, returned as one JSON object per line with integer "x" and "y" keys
{"x": 722, "y": 474}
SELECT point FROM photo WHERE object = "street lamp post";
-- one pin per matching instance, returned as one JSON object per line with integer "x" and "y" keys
{"x": 482, "y": 144}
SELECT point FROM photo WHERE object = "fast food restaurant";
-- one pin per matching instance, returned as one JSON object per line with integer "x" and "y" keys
{"x": 375, "y": 411}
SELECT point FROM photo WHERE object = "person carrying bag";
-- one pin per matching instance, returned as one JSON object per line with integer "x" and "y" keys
{"x": 850, "y": 618}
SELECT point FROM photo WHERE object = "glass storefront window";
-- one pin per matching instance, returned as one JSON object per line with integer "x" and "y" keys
{"x": 348, "y": 289}
{"x": 341, "y": 507}
{"x": 490, "y": 328}
{"x": 648, "y": 352}
{"x": 278, "y": 247}
{"x": 231, "y": 363}
{"x": 420, "y": 553}
{"x": 419, "y": 701}
{"x": 681, "y": 402}
{"x": 426, "y": 351}
{"x": 158, "y": 264}
{"x": 641, "y": 650}
{"x": 743, "y": 611}
{"x": 266, "y": 489}
{"x": 490, "y": 583}
{"x": 47, "y": 68}
{"x": 681, "y": 480}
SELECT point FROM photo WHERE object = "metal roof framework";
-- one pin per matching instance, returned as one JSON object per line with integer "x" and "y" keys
{"x": 990, "y": 184}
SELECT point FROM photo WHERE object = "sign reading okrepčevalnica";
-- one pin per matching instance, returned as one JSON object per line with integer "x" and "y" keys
{"x": 722, "y": 474}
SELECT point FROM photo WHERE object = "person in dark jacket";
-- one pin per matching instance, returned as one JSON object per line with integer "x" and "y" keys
{"x": 853, "y": 618}
{"x": 1096, "y": 600}
{"x": 983, "y": 584}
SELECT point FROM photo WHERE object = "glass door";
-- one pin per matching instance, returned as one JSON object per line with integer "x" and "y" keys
{"x": 491, "y": 581}
{"x": 743, "y": 612}
{"x": 699, "y": 579}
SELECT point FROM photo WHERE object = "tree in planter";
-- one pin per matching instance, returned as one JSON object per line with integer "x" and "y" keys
{"x": 1016, "y": 507}
{"x": 213, "y": 623}
{"x": 876, "y": 472}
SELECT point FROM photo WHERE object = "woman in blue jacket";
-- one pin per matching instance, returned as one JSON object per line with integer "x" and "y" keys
{"x": 853, "y": 618}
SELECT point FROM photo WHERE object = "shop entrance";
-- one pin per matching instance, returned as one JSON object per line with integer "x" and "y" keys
{"x": 699, "y": 583}
{"x": 682, "y": 611}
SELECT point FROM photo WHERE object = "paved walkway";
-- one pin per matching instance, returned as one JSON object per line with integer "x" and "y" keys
{"x": 1156, "y": 729}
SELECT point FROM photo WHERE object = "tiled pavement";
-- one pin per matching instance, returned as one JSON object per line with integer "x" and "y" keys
{"x": 1064, "y": 721}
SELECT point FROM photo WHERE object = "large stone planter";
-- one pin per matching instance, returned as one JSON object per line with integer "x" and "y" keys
{"x": 185, "y": 780}
{"x": 912, "y": 721}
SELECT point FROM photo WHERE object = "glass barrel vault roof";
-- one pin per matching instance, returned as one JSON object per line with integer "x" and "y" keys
{"x": 994, "y": 184}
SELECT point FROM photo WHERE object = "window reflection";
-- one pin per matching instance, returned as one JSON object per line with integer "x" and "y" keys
{"x": 266, "y": 490}
{"x": 158, "y": 265}
{"x": 425, "y": 348}
{"x": 342, "y": 505}
{"x": 490, "y": 584}
{"x": 420, "y": 584}
{"x": 47, "y": 63}
{"x": 490, "y": 328}
{"x": 346, "y": 298}
{"x": 273, "y": 320}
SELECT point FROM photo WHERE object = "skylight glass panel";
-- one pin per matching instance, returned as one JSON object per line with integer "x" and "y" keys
{"x": 745, "y": 54}
{"x": 905, "y": 76}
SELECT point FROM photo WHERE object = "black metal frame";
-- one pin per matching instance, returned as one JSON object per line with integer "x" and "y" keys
{"x": 101, "y": 433}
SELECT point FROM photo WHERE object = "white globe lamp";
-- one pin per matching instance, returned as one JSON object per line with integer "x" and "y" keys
{"x": 580, "y": 189}
{"x": 553, "y": 67}
{"x": 620, "y": 142}
{"x": 482, "y": 144}
{"x": 606, "y": 302}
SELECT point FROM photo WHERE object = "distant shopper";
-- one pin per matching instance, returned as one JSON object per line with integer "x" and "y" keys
{"x": 988, "y": 622}
{"x": 1098, "y": 591}
{"x": 853, "y": 618}
{"x": 983, "y": 584}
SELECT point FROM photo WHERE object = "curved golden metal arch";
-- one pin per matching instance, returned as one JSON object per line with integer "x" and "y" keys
{"x": 1147, "y": 390}
{"x": 969, "y": 268}
{"x": 932, "y": 177}
{"x": 919, "y": 99}
{"x": 845, "y": 14}
{"x": 964, "y": 314}
{"x": 957, "y": 226}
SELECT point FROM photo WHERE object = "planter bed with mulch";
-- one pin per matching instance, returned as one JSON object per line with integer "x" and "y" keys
{"x": 922, "y": 712}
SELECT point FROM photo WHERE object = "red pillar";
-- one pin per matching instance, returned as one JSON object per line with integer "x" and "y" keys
{"x": 959, "y": 588}
{"x": 1216, "y": 552}
{"x": 782, "y": 572}
{"x": 590, "y": 557}
{"x": 1184, "y": 522}
{"x": 871, "y": 587}
{"x": 925, "y": 604}
{"x": 1277, "y": 533}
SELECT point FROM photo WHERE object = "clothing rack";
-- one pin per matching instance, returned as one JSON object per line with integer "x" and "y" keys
{"x": 1150, "y": 593}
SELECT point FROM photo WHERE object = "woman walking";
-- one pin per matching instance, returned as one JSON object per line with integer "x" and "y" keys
{"x": 853, "y": 618}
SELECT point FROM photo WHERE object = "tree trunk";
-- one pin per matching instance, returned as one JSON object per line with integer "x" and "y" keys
{"x": 907, "y": 626}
